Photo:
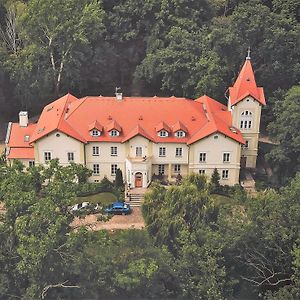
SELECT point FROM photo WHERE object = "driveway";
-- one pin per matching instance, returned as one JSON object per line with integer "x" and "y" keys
{"x": 133, "y": 221}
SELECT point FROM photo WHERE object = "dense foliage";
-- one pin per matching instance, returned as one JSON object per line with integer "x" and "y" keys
{"x": 195, "y": 247}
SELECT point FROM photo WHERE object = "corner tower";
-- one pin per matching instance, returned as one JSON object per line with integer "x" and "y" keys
{"x": 245, "y": 102}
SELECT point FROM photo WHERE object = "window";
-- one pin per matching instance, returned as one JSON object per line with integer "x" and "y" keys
{"x": 180, "y": 133}
{"x": 114, "y": 133}
{"x": 114, "y": 151}
{"x": 31, "y": 163}
{"x": 202, "y": 157}
{"x": 96, "y": 151}
{"x": 138, "y": 151}
{"x": 163, "y": 133}
{"x": 225, "y": 174}
{"x": 96, "y": 169}
{"x": 246, "y": 120}
{"x": 114, "y": 169}
{"x": 47, "y": 156}
{"x": 226, "y": 157}
{"x": 162, "y": 151}
{"x": 201, "y": 172}
{"x": 216, "y": 137}
{"x": 26, "y": 138}
{"x": 161, "y": 169}
{"x": 95, "y": 132}
{"x": 177, "y": 168}
{"x": 178, "y": 152}
{"x": 70, "y": 156}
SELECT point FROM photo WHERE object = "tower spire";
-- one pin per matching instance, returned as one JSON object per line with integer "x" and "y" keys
{"x": 248, "y": 53}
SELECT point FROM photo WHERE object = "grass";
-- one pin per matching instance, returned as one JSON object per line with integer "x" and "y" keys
{"x": 101, "y": 198}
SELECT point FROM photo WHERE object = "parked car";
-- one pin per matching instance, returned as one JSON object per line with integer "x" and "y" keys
{"x": 118, "y": 208}
{"x": 80, "y": 206}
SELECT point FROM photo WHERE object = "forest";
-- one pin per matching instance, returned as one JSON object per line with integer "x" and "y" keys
{"x": 154, "y": 47}
{"x": 193, "y": 246}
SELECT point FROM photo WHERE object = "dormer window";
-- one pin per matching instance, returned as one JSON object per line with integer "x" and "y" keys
{"x": 114, "y": 133}
{"x": 180, "y": 133}
{"x": 163, "y": 133}
{"x": 26, "y": 138}
{"x": 95, "y": 132}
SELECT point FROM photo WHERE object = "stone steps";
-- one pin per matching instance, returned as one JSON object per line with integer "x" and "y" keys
{"x": 136, "y": 200}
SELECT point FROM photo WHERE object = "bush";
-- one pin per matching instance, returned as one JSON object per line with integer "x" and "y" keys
{"x": 87, "y": 189}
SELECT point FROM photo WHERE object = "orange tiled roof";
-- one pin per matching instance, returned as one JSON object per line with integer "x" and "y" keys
{"x": 245, "y": 85}
{"x": 136, "y": 116}
{"x": 19, "y": 146}
{"x": 219, "y": 120}
{"x": 21, "y": 153}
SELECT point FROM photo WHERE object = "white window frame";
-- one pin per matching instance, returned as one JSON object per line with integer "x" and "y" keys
{"x": 95, "y": 132}
{"x": 71, "y": 156}
{"x": 225, "y": 174}
{"x": 31, "y": 163}
{"x": 114, "y": 151}
{"x": 226, "y": 157}
{"x": 180, "y": 134}
{"x": 178, "y": 152}
{"x": 47, "y": 156}
{"x": 246, "y": 120}
{"x": 114, "y": 132}
{"x": 96, "y": 169}
{"x": 113, "y": 169}
{"x": 161, "y": 169}
{"x": 177, "y": 168}
{"x": 138, "y": 151}
{"x": 95, "y": 150}
{"x": 163, "y": 133}
{"x": 202, "y": 157}
{"x": 162, "y": 152}
{"x": 202, "y": 172}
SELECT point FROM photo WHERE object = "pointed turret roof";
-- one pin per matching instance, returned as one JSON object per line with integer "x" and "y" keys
{"x": 245, "y": 85}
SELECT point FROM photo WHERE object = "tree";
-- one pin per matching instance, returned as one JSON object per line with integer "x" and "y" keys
{"x": 285, "y": 129}
{"x": 215, "y": 181}
{"x": 119, "y": 182}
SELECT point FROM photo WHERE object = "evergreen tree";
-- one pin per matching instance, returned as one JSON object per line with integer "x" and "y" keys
{"x": 119, "y": 179}
{"x": 215, "y": 182}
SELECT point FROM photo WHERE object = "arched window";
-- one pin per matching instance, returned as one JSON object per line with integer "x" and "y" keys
{"x": 246, "y": 120}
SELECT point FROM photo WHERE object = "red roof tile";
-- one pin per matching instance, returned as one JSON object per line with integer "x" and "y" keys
{"x": 21, "y": 153}
{"x": 135, "y": 116}
{"x": 95, "y": 125}
{"x": 245, "y": 85}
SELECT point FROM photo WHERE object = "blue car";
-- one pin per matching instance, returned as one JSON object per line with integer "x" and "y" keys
{"x": 118, "y": 208}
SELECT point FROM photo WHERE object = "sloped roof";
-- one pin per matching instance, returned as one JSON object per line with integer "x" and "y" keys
{"x": 95, "y": 125}
{"x": 53, "y": 118}
{"x": 245, "y": 85}
{"x": 21, "y": 153}
{"x": 219, "y": 120}
{"x": 135, "y": 116}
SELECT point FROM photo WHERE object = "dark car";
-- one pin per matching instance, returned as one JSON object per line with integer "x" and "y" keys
{"x": 118, "y": 208}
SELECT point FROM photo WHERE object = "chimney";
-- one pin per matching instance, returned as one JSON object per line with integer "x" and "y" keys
{"x": 119, "y": 95}
{"x": 23, "y": 118}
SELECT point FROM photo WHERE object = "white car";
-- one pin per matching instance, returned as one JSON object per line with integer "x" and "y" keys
{"x": 80, "y": 206}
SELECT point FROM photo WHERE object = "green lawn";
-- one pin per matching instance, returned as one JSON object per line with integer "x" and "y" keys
{"x": 103, "y": 198}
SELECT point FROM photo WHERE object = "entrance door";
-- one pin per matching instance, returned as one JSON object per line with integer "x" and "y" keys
{"x": 243, "y": 161}
{"x": 138, "y": 180}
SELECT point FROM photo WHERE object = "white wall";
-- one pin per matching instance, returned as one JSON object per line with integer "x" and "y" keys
{"x": 59, "y": 144}
{"x": 214, "y": 149}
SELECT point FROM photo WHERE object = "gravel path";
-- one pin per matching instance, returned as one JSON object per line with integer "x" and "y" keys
{"x": 132, "y": 221}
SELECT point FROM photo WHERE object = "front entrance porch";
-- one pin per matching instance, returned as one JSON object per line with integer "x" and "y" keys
{"x": 138, "y": 172}
{"x": 138, "y": 180}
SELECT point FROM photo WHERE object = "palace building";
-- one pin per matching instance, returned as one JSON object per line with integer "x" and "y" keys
{"x": 144, "y": 136}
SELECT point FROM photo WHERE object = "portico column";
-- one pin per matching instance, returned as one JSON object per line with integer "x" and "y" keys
{"x": 169, "y": 171}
